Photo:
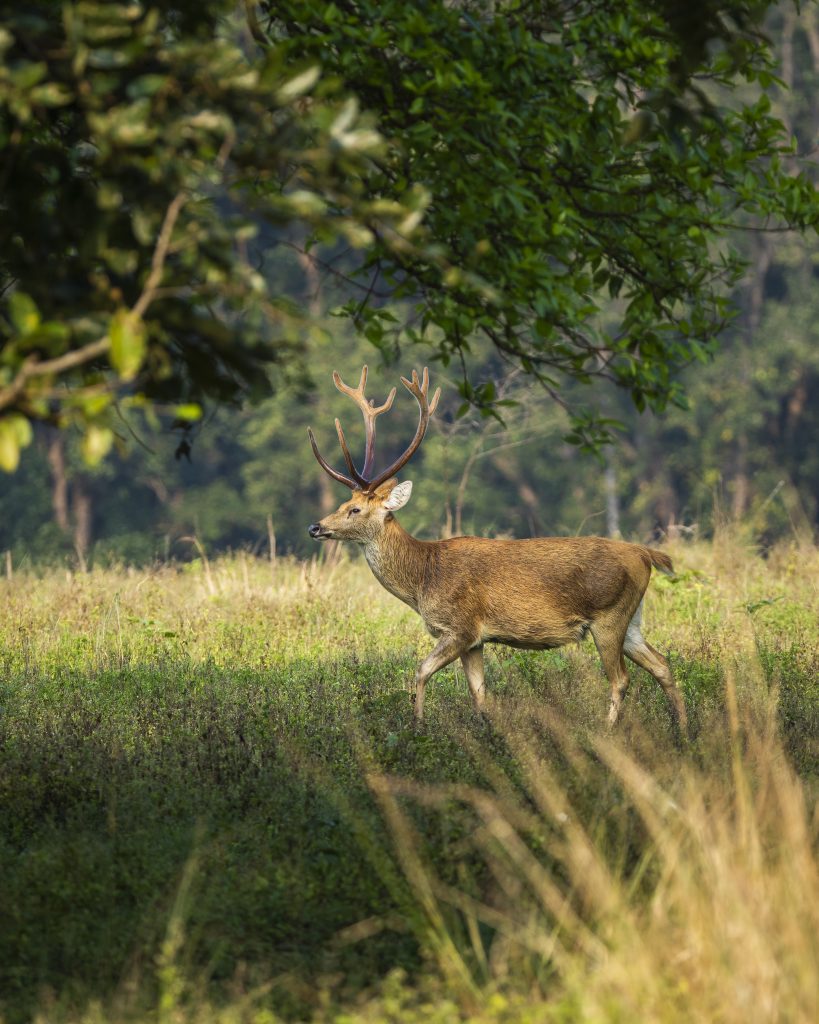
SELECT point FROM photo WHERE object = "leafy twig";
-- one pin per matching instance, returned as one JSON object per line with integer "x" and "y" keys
{"x": 32, "y": 367}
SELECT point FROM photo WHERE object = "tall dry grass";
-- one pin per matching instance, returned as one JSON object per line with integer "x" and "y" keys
{"x": 602, "y": 877}
{"x": 717, "y": 921}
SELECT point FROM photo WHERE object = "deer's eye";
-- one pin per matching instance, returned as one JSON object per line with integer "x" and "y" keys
{"x": 353, "y": 511}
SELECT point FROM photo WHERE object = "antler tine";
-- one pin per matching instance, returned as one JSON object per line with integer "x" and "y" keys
{"x": 422, "y": 387}
{"x": 342, "y": 440}
{"x": 367, "y": 405}
{"x": 378, "y": 409}
{"x": 418, "y": 389}
{"x": 369, "y": 411}
{"x": 352, "y": 484}
{"x": 345, "y": 389}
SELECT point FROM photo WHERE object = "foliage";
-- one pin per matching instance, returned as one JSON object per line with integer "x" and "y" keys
{"x": 472, "y": 475}
{"x": 146, "y": 156}
{"x": 743, "y": 443}
{"x": 185, "y": 812}
{"x": 742, "y": 448}
{"x": 583, "y": 159}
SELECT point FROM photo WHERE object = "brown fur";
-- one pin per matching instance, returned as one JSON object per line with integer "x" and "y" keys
{"x": 535, "y": 594}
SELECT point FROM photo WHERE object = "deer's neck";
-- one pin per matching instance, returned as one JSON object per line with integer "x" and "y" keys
{"x": 399, "y": 561}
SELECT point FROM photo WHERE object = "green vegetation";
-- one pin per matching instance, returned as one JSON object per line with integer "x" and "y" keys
{"x": 148, "y": 164}
{"x": 556, "y": 179}
{"x": 742, "y": 449}
{"x": 589, "y": 161}
{"x": 213, "y": 805}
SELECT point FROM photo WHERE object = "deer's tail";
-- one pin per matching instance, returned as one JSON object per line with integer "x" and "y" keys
{"x": 661, "y": 561}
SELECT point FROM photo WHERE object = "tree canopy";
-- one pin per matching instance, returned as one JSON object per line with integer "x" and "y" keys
{"x": 142, "y": 152}
{"x": 556, "y": 176}
{"x": 584, "y": 159}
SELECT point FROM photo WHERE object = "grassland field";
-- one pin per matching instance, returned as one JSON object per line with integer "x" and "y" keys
{"x": 214, "y": 807}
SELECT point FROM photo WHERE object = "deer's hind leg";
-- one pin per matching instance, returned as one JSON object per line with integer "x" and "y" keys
{"x": 608, "y": 638}
{"x": 638, "y": 650}
{"x": 472, "y": 662}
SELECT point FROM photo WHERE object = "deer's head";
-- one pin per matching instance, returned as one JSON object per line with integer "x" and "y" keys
{"x": 374, "y": 497}
{"x": 362, "y": 517}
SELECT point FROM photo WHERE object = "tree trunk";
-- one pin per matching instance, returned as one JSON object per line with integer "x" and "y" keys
{"x": 756, "y": 296}
{"x": 460, "y": 496}
{"x": 327, "y": 498}
{"x": 527, "y": 496}
{"x": 612, "y": 498}
{"x": 741, "y": 481}
{"x": 83, "y": 516}
{"x": 59, "y": 480}
{"x": 313, "y": 281}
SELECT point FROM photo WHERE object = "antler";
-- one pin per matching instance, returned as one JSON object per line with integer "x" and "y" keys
{"x": 370, "y": 411}
{"x": 419, "y": 390}
{"x": 342, "y": 479}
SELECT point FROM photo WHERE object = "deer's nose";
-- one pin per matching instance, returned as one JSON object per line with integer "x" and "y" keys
{"x": 314, "y": 529}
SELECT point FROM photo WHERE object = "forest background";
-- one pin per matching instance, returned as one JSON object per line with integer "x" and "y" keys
{"x": 213, "y": 804}
{"x": 741, "y": 446}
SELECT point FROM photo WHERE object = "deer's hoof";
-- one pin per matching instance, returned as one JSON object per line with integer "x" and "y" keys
{"x": 483, "y": 726}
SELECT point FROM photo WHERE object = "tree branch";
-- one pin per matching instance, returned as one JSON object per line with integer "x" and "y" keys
{"x": 32, "y": 367}
{"x": 163, "y": 242}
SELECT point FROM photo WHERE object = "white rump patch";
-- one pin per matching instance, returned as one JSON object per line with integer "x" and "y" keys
{"x": 634, "y": 638}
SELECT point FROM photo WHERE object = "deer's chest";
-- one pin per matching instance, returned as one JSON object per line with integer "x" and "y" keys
{"x": 384, "y": 571}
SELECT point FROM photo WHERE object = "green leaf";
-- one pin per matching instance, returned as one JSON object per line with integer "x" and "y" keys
{"x": 754, "y": 606}
{"x": 189, "y": 411}
{"x": 96, "y": 443}
{"x": 15, "y": 433}
{"x": 9, "y": 448}
{"x": 128, "y": 344}
{"x": 52, "y": 94}
{"x": 23, "y": 312}
{"x": 298, "y": 86}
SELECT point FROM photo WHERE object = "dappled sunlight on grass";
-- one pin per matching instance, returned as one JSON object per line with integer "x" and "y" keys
{"x": 213, "y": 805}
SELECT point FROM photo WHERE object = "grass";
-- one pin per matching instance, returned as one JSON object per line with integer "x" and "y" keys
{"x": 213, "y": 805}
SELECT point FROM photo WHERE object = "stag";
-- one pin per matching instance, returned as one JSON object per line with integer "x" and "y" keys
{"x": 534, "y": 594}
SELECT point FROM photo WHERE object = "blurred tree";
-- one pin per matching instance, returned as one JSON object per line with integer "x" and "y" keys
{"x": 576, "y": 153}
{"x": 744, "y": 444}
{"x": 141, "y": 151}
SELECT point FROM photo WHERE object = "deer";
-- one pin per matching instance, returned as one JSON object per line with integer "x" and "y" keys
{"x": 536, "y": 594}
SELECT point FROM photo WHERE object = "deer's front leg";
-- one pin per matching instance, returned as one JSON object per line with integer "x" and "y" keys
{"x": 443, "y": 653}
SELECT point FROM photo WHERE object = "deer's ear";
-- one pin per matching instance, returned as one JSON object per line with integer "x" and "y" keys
{"x": 399, "y": 496}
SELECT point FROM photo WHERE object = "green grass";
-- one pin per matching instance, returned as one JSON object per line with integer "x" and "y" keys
{"x": 212, "y": 799}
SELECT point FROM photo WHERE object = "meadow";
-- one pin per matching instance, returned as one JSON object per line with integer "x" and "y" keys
{"x": 214, "y": 806}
